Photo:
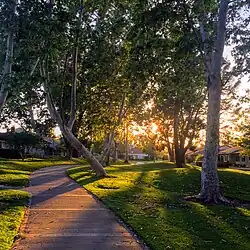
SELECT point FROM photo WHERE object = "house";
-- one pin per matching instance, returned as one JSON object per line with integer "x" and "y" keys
{"x": 133, "y": 154}
{"x": 3, "y": 140}
{"x": 47, "y": 146}
{"x": 233, "y": 156}
{"x": 137, "y": 154}
{"x": 192, "y": 155}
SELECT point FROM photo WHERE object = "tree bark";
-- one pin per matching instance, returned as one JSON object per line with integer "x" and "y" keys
{"x": 74, "y": 142}
{"x": 8, "y": 58}
{"x": 126, "y": 157}
{"x": 210, "y": 189}
{"x": 116, "y": 152}
{"x": 171, "y": 155}
{"x": 178, "y": 160}
{"x": 68, "y": 134}
{"x": 32, "y": 118}
{"x": 107, "y": 148}
{"x": 209, "y": 177}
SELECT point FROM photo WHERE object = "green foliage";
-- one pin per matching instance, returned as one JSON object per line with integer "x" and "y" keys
{"x": 199, "y": 157}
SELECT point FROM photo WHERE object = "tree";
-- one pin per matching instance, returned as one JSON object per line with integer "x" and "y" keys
{"x": 212, "y": 17}
{"x": 9, "y": 9}
{"x": 23, "y": 141}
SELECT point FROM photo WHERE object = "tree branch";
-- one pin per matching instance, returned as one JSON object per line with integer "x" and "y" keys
{"x": 72, "y": 117}
{"x": 52, "y": 109}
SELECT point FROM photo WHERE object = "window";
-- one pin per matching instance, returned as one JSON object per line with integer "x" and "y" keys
{"x": 237, "y": 158}
{"x": 243, "y": 158}
{"x": 226, "y": 158}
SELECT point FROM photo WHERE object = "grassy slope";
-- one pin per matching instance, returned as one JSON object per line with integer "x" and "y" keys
{"x": 13, "y": 202}
{"x": 16, "y": 173}
{"x": 149, "y": 199}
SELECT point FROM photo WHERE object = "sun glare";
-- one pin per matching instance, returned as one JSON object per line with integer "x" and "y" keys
{"x": 154, "y": 128}
{"x": 57, "y": 132}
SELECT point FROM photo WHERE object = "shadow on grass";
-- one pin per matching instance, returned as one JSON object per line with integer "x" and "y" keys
{"x": 10, "y": 198}
{"x": 151, "y": 202}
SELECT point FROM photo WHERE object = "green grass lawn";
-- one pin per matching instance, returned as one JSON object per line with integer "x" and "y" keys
{"x": 149, "y": 198}
{"x": 13, "y": 202}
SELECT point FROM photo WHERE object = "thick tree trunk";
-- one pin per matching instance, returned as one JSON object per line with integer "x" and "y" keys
{"x": 180, "y": 160}
{"x": 210, "y": 189}
{"x": 69, "y": 149}
{"x": 74, "y": 142}
{"x": 107, "y": 148}
{"x": 170, "y": 148}
{"x": 107, "y": 161}
{"x": 69, "y": 136}
{"x": 171, "y": 155}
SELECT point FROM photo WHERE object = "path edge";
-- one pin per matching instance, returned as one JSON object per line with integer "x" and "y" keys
{"x": 20, "y": 232}
{"x": 119, "y": 220}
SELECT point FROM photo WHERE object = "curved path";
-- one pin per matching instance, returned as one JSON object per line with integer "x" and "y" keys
{"x": 63, "y": 215}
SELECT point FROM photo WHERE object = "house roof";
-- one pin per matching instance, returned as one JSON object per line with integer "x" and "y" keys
{"x": 135, "y": 151}
{"x": 201, "y": 150}
{"x": 233, "y": 150}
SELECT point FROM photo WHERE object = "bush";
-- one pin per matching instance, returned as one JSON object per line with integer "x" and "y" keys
{"x": 10, "y": 153}
{"x": 199, "y": 157}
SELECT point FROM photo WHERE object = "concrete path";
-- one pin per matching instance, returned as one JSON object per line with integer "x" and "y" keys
{"x": 64, "y": 216}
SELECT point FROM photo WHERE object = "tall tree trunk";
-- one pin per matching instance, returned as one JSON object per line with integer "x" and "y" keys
{"x": 170, "y": 150}
{"x": 95, "y": 164}
{"x": 68, "y": 134}
{"x": 182, "y": 160}
{"x": 171, "y": 155}
{"x": 71, "y": 139}
{"x": 66, "y": 128}
{"x": 176, "y": 136}
{"x": 32, "y": 118}
{"x": 69, "y": 149}
{"x": 107, "y": 147}
{"x": 116, "y": 152}
{"x": 210, "y": 190}
{"x": 8, "y": 57}
{"x": 107, "y": 161}
{"x": 126, "y": 157}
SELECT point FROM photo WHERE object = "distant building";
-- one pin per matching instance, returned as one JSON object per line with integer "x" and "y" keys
{"x": 228, "y": 157}
{"x": 137, "y": 154}
{"x": 134, "y": 154}
{"x": 191, "y": 155}
{"x": 48, "y": 146}
{"x": 233, "y": 156}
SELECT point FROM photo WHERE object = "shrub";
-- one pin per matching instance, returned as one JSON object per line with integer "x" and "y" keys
{"x": 10, "y": 153}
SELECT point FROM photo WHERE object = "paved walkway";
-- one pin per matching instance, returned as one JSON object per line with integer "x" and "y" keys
{"x": 64, "y": 216}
